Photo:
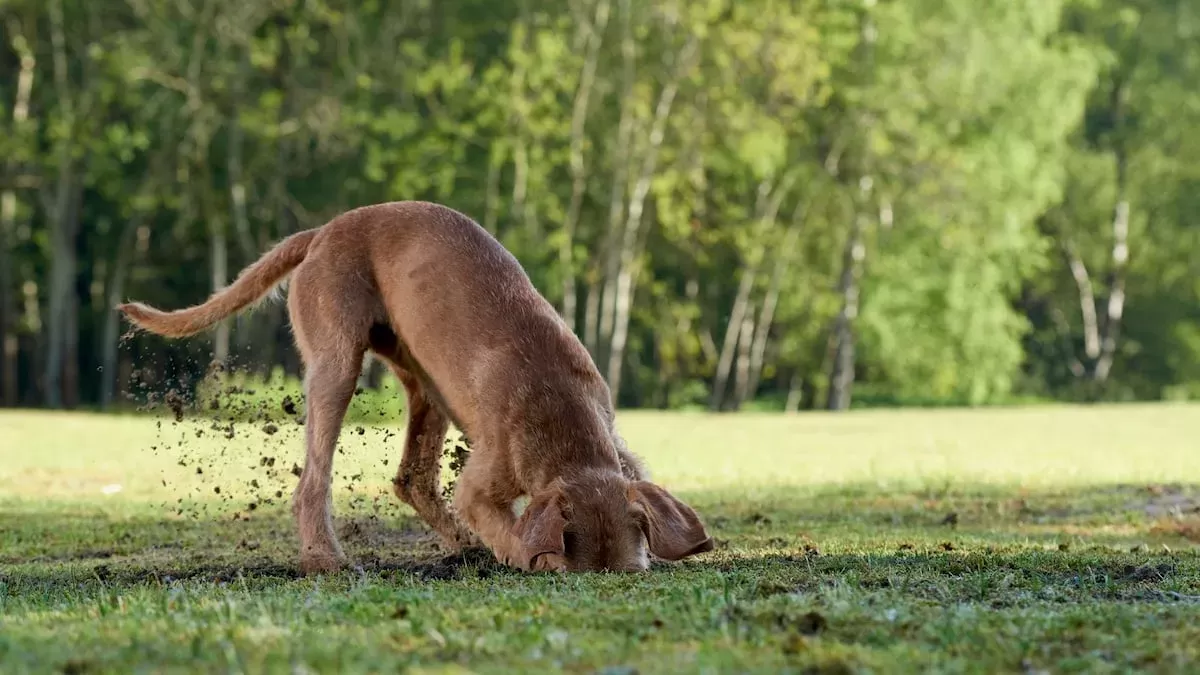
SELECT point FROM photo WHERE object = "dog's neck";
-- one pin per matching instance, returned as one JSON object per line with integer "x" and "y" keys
{"x": 581, "y": 448}
{"x": 579, "y": 458}
{"x": 590, "y": 479}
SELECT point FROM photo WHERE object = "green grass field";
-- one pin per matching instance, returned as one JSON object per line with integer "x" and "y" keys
{"x": 1016, "y": 540}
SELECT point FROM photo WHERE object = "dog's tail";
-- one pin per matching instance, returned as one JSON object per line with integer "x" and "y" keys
{"x": 252, "y": 284}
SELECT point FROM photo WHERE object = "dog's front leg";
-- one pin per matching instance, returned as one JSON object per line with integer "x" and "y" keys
{"x": 483, "y": 498}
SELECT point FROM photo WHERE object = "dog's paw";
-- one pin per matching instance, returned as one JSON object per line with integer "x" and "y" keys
{"x": 511, "y": 561}
{"x": 548, "y": 562}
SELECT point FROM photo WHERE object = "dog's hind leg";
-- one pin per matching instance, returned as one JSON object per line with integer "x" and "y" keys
{"x": 418, "y": 480}
{"x": 332, "y": 344}
{"x": 329, "y": 386}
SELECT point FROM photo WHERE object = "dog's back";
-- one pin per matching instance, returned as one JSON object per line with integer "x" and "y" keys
{"x": 477, "y": 331}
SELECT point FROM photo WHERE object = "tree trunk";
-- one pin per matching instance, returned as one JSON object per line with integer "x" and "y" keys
{"x": 9, "y": 342}
{"x": 63, "y": 225}
{"x": 523, "y": 211}
{"x": 1087, "y": 301}
{"x": 741, "y": 303}
{"x": 109, "y": 345}
{"x": 767, "y": 317}
{"x": 768, "y": 200}
{"x": 795, "y": 393}
{"x": 602, "y": 344}
{"x": 591, "y": 318}
{"x": 579, "y": 114}
{"x": 371, "y": 374}
{"x": 762, "y": 331}
{"x": 520, "y": 178}
{"x": 742, "y": 370}
{"x": 34, "y": 343}
{"x": 841, "y": 379}
{"x": 1101, "y": 332}
{"x": 248, "y": 330}
{"x": 237, "y": 183}
{"x": 491, "y": 207}
{"x": 219, "y": 260}
{"x": 633, "y": 224}
{"x": 8, "y": 335}
{"x": 1119, "y": 258}
{"x": 61, "y": 302}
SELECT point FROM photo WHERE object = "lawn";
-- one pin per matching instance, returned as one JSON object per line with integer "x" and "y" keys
{"x": 1054, "y": 539}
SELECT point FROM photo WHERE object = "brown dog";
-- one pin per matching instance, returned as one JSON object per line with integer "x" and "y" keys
{"x": 454, "y": 314}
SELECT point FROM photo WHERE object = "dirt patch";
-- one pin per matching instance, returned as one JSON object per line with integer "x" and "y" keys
{"x": 371, "y": 532}
{"x": 1151, "y": 501}
{"x": 479, "y": 560}
{"x": 1148, "y": 573}
{"x": 1168, "y": 500}
{"x": 471, "y": 563}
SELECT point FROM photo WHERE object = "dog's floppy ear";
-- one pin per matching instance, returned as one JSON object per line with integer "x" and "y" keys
{"x": 540, "y": 527}
{"x": 672, "y": 528}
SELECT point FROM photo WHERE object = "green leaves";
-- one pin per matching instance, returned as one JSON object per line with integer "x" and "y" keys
{"x": 658, "y": 165}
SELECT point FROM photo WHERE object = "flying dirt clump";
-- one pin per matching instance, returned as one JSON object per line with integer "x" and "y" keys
{"x": 458, "y": 451}
{"x": 175, "y": 402}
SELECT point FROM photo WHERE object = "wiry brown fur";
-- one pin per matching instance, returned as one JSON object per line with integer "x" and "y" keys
{"x": 472, "y": 340}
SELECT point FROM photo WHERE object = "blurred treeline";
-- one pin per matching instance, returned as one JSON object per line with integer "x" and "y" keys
{"x": 734, "y": 202}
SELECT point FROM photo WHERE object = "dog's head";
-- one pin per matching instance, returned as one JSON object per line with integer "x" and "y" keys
{"x": 607, "y": 522}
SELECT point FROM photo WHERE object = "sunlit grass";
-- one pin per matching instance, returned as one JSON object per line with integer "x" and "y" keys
{"x": 965, "y": 541}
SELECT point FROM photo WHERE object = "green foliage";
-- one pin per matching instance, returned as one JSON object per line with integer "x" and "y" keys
{"x": 688, "y": 181}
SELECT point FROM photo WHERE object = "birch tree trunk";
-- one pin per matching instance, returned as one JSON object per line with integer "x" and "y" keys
{"x": 522, "y": 209}
{"x": 579, "y": 113}
{"x": 741, "y": 374}
{"x": 591, "y": 315}
{"x": 1101, "y": 332}
{"x": 600, "y": 343}
{"x": 1087, "y": 300}
{"x": 633, "y": 224}
{"x": 795, "y": 393}
{"x": 841, "y": 380}
{"x": 1119, "y": 258}
{"x": 766, "y": 318}
{"x": 741, "y": 303}
{"x": 767, "y": 203}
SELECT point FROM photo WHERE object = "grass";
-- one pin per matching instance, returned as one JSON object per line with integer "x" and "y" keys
{"x": 1055, "y": 539}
